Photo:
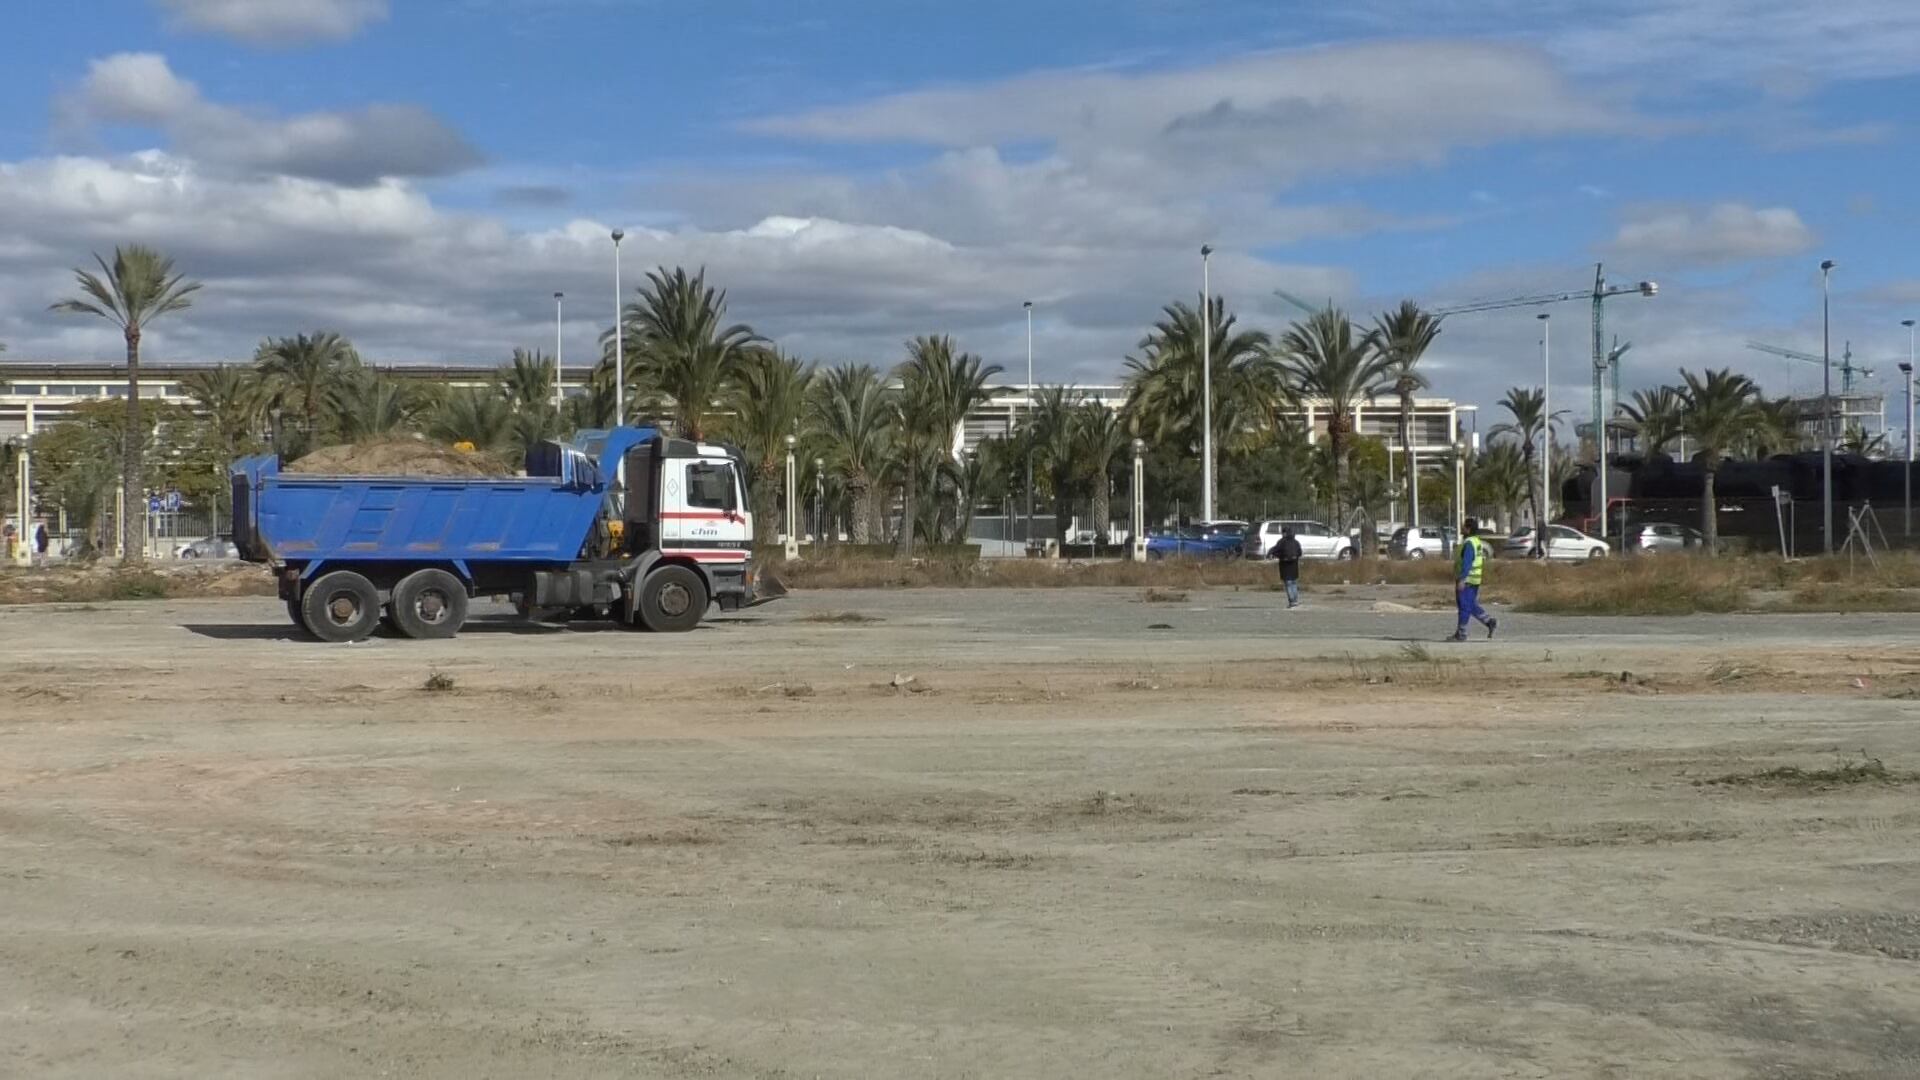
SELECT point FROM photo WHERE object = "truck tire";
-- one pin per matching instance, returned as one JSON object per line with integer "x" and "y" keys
{"x": 429, "y": 604}
{"x": 672, "y": 600}
{"x": 293, "y": 612}
{"x": 340, "y": 606}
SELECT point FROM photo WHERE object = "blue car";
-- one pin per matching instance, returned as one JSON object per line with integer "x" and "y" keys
{"x": 1221, "y": 540}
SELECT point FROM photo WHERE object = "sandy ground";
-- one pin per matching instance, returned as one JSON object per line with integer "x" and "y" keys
{"x": 1250, "y": 843}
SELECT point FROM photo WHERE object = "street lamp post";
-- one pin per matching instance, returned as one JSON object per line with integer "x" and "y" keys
{"x": 1206, "y": 381}
{"x": 1139, "y": 544}
{"x": 1906, "y": 376}
{"x": 619, "y": 339}
{"x": 793, "y": 516}
{"x": 1027, "y": 424}
{"x": 819, "y": 504}
{"x": 1826, "y": 403}
{"x": 1546, "y": 431}
{"x": 559, "y": 394}
{"x": 1459, "y": 493}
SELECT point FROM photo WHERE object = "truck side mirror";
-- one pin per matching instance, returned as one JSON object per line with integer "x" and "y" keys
{"x": 733, "y": 492}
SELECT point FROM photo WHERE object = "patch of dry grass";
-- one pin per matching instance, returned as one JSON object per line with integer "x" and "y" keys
{"x": 78, "y": 583}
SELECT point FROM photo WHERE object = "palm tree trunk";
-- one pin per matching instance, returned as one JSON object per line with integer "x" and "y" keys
{"x": 764, "y": 508}
{"x": 1406, "y": 449}
{"x": 133, "y": 527}
{"x": 907, "y": 520}
{"x": 1337, "y": 446}
{"x": 859, "y": 510}
{"x": 1710, "y": 514}
{"x": 1102, "y": 507}
{"x": 1062, "y": 507}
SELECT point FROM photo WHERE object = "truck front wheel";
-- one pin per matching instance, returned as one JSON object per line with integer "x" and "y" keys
{"x": 429, "y": 604}
{"x": 341, "y": 606}
{"x": 672, "y": 599}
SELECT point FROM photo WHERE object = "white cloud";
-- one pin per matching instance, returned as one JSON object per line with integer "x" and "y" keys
{"x": 359, "y": 146}
{"x": 1723, "y": 233}
{"x": 1281, "y": 115}
{"x": 411, "y": 281}
{"x": 277, "y": 22}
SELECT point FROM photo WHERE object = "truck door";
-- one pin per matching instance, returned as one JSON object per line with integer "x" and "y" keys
{"x": 701, "y": 511}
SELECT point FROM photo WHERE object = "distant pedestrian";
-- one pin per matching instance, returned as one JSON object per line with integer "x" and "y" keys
{"x": 1287, "y": 552}
{"x": 40, "y": 541}
{"x": 1468, "y": 573}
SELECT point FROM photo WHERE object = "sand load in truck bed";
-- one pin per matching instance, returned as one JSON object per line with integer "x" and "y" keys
{"x": 399, "y": 457}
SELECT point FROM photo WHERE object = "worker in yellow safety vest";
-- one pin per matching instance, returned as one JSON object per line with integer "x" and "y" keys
{"x": 1469, "y": 572}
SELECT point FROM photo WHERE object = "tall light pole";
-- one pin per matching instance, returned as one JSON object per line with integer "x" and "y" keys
{"x": 619, "y": 338}
{"x": 1546, "y": 431}
{"x": 1206, "y": 382}
{"x": 1138, "y": 541}
{"x": 819, "y": 504}
{"x": 793, "y": 517}
{"x": 1027, "y": 425}
{"x": 559, "y": 394}
{"x": 1826, "y": 402}
{"x": 1906, "y": 376}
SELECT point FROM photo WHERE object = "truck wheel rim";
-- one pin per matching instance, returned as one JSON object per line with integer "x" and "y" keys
{"x": 431, "y": 607}
{"x": 343, "y": 609}
{"x": 674, "y": 600}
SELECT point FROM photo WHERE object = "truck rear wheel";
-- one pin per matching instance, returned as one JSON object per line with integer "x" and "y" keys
{"x": 429, "y": 604}
{"x": 672, "y": 600}
{"x": 341, "y": 606}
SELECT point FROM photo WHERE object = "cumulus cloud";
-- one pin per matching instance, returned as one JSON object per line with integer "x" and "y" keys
{"x": 358, "y": 146}
{"x": 277, "y": 22}
{"x": 412, "y": 281}
{"x": 1284, "y": 114}
{"x": 1723, "y": 233}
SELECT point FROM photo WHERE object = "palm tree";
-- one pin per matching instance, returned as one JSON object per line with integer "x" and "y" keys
{"x": 1856, "y": 441}
{"x": 1402, "y": 336}
{"x": 1777, "y": 429}
{"x": 1056, "y": 410}
{"x": 1528, "y": 409}
{"x": 138, "y": 288}
{"x": 768, "y": 399}
{"x": 1099, "y": 436}
{"x": 681, "y": 347}
{"x": 1655, "y": 418}
{"x": 480, "y": 417}
{"x": 1499, "y": 477}
{"x": 938, "y": 387}
{"x": 850, "y": 414}
{"x": 368, "y": 403}
{"x": 526, "y": 379}
{"x": 1325, "y": 361}
{"x": 301, "y": 373}
{"x": 1164, "y": 381}
{"x": 1719, "y": 413}
{"x": 232, "y": 401}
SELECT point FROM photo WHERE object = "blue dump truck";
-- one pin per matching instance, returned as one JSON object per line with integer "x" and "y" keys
{"x": 626, "y": 523}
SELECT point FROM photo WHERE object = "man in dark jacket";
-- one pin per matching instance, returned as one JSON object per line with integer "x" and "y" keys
{"x": 1287, "y": 551}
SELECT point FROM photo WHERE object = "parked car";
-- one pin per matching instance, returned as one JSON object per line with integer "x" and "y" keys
{"x": 1657, "y": 536}
{"x": 1426, "y": 542}
{"x": 1316, "y": 540}
{"x": 213, "y": 547}
{"x": 1563, "y": 544}
{"x": 1192, "y": 542}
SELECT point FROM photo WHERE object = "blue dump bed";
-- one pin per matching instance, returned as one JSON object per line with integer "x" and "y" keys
{"x": 545, "y": 518}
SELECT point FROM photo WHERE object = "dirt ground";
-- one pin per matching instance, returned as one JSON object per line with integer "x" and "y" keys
{"x": 972, "y": 833}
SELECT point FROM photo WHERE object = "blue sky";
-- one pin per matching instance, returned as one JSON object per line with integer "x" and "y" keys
{"x": 423, "y": 174}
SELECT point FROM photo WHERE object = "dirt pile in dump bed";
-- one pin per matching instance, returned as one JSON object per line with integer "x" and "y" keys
{"x": 399, "y": 457}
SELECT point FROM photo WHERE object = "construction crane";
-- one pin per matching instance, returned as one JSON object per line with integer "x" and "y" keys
{"x": 1605, "y": 362}
{"x": 1848, "y": 369}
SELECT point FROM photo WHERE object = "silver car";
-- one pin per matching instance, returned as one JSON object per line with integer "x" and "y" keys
{"x": 1316, "y": 540}
{"x": 1660, "y": 536}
